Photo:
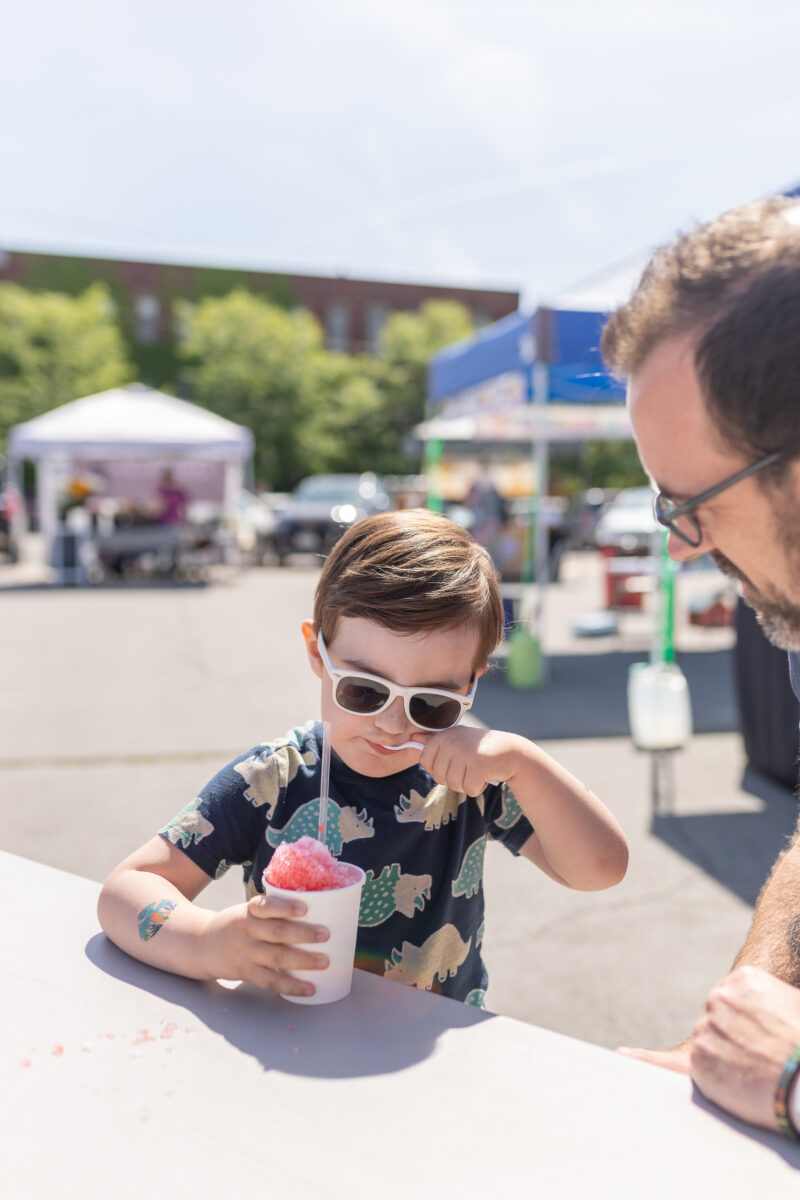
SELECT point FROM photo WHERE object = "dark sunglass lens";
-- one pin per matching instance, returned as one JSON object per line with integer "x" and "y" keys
{"x": 361, "y": 695}
{"x": 434, "y": 712}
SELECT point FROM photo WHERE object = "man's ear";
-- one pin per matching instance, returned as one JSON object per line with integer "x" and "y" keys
{"x": 310, "y": 635}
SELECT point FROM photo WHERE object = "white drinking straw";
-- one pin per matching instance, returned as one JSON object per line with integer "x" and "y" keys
{"x": 324, "y": 778}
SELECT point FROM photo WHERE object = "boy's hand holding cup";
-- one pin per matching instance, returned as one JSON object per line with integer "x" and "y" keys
{"x": 262, "y": 942}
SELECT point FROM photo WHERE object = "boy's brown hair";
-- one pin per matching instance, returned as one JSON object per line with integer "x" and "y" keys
{"x": 411, "y": 571}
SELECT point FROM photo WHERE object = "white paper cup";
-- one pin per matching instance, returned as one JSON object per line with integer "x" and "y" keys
{"x": 336, "y": 908}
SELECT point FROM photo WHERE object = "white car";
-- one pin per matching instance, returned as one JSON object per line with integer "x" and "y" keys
{"x": 628, "y": 522}
{"x": 255, "y": 526}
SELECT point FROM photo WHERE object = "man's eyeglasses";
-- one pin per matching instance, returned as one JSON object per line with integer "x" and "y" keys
{"x": 680, "y": 518}
{"x": 367, "y": 695}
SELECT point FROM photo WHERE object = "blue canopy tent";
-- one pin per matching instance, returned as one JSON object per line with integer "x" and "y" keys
{"x": 566, "y": 341}
{"x": 533, "y": 379}
{"x": 495, "y": 370}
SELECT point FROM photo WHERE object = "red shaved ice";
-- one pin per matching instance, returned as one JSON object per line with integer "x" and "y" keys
{"x": 308, "y": 866}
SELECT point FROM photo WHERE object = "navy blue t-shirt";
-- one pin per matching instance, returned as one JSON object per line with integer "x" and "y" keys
{"x": 421, "y": 845}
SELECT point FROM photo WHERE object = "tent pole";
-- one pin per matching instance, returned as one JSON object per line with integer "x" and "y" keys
{"x": 49, "y": 474}
{"x": 541, "y": 388}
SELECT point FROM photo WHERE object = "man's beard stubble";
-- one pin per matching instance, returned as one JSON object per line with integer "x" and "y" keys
{"x": 779, "y": 619}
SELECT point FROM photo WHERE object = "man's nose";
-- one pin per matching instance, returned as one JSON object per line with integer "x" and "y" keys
{"x": 681, "y": 551}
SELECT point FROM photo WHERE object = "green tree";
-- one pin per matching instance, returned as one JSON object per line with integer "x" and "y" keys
{"x": 312, "y": 410}
{"x": 614, "y": 465}
{"x": 408, "y": 342}
{"x": 55, "y": 348}
{"x": 346, "y": 427}
{"x": 364, "y": 408}
{"x": 253, "y": 362}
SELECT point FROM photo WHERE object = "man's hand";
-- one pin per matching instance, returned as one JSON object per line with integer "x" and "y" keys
{"x": 675, "y": 1059}
{"x": 749, "y": 1029}
{"x": 256, "y": 941}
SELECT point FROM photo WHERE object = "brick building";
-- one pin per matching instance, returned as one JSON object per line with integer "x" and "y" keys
{"x": 351, "y": 311}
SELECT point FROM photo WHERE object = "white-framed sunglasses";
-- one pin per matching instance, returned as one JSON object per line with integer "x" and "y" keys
{"x": 366, "y": 695}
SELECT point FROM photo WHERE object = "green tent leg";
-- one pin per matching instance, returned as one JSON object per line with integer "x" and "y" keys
{"x": 524, "y": 660}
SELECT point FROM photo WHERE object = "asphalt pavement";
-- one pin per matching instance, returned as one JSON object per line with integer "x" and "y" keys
{"x": 120, "y": 702}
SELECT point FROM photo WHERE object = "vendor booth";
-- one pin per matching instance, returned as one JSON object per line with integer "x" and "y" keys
{"x": 132, "y": 475}
{"x": 531, "y": 381}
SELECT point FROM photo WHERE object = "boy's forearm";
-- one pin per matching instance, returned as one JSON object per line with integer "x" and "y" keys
{"x": 581, "y": 840}
{"x": 773, "y": 941}
{"x": 151, "y": 919}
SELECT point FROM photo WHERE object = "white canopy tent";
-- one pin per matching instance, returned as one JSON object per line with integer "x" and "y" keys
{"x": 126, "y": 425}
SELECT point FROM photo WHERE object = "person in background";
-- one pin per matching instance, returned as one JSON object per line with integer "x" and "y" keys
{"x": 173, "y": 500}
{"x": 487, "y": 506}
{"x": 710, "y": 345}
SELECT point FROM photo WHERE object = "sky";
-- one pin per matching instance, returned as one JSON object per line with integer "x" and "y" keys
{"x": 518, "y": 145}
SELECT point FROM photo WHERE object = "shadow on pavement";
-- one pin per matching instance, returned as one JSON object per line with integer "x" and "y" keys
{"x": 37, "y": 586}
{"x": 109, "y": 585}
{"x": 735, "y": 848}
{"x": 586, "y": 696}
{"x": 146, "y": 583}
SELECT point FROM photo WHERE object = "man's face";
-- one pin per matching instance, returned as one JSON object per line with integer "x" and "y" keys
{"x": 751, "y": 534}
{"x": 441, "y": 659}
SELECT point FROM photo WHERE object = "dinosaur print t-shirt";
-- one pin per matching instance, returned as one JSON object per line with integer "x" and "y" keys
{"x": 420, "y": 844}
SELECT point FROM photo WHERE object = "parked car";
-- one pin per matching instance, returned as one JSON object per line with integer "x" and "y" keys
{"x": 627, "y": 523}
{"x": 255, "y": 528}
{"x": 319, "y": 510}
{"x": 584, "y": 510}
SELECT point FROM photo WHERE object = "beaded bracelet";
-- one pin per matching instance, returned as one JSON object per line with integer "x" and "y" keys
{"x": 788, "y": 1077}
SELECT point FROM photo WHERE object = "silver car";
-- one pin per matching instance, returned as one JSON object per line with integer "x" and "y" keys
{"x": 628, "y": 523}
{"x": 319, "y": 510}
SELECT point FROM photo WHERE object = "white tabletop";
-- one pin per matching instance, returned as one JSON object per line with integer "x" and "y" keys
{"x": 120, "y": 1081}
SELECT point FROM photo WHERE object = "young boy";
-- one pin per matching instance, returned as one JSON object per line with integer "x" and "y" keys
{"x": 407, "y": 612}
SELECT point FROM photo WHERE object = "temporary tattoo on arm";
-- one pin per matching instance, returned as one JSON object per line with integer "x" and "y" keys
{"x": 152, "y": 918}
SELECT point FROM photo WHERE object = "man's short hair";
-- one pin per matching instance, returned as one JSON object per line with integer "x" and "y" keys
{"x": 733, "y": 286}
{"x": 411, "y": 571}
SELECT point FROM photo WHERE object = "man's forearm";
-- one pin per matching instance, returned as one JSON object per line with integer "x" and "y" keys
{"x": 773, "y": 942}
